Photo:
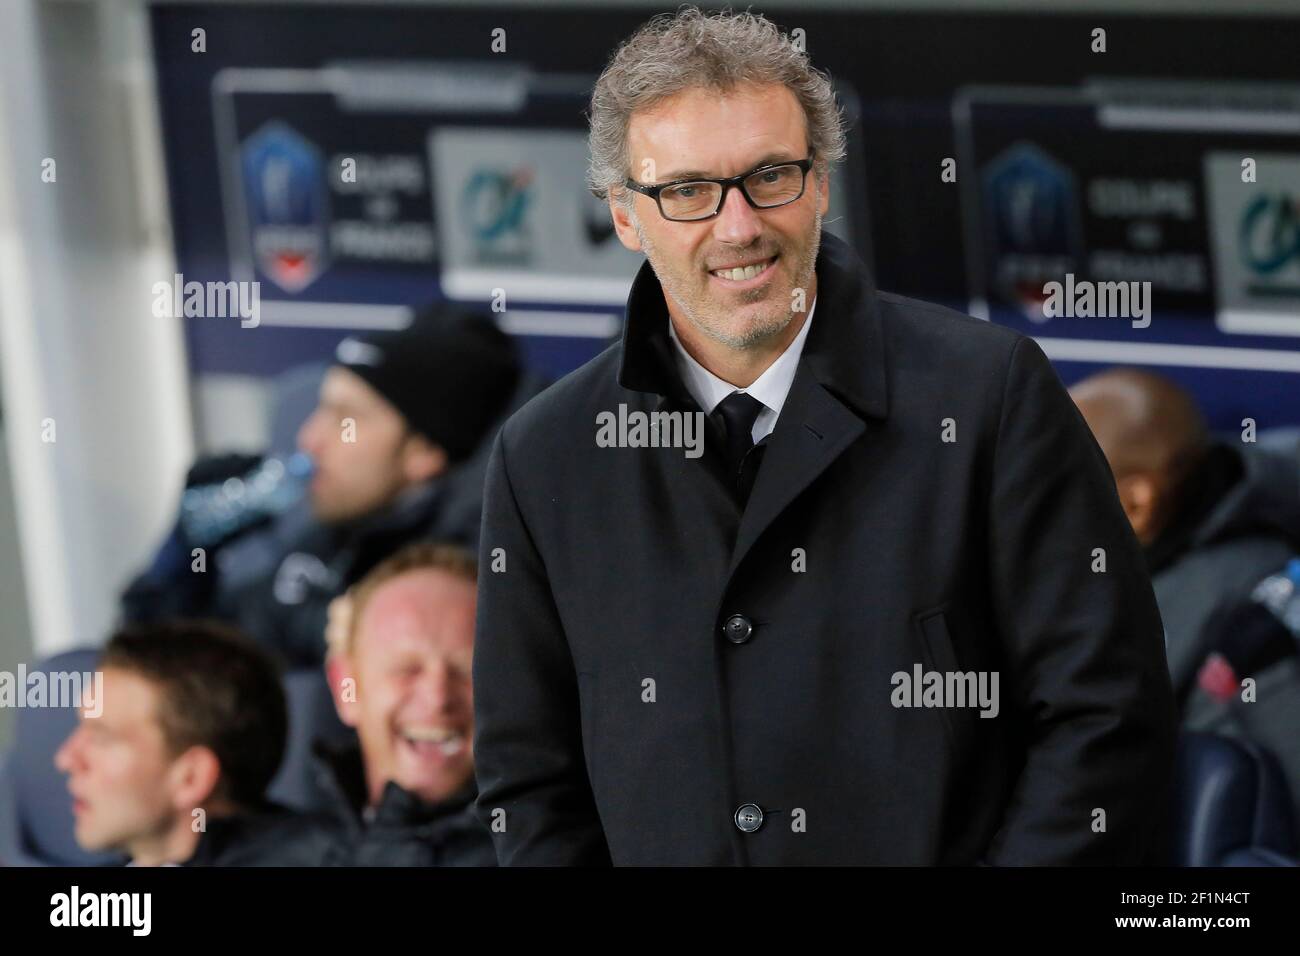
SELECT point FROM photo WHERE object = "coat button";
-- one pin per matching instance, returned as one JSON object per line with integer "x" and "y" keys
{"x": 749, "y": 818}
{"x": 738, "y": 629}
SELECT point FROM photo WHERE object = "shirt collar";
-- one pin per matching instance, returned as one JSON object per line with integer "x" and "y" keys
{"x": 770, "y": 388}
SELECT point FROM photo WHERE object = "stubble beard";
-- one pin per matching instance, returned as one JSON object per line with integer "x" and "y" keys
{"x": 703, "y": 312}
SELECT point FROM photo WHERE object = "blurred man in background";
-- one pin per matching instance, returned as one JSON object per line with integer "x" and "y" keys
{"x": 175, "y": 769}
{"x": 398, "y": 411}
{"x": 401, "y": 646}
{"x": 1213, "y": 518}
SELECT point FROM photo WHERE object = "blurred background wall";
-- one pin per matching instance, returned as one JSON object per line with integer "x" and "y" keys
{"x": 83, "y": 361}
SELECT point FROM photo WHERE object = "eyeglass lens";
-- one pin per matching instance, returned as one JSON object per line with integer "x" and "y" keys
{"x": 767, "y": 187}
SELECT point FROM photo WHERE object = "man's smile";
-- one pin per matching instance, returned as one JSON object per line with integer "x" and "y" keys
{"x": 745, "y": 275}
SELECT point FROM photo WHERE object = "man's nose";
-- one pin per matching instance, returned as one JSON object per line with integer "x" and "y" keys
{"x": 737, "y": 223}
{"x": 437, "y": 686}
{"x": 307, "y": 440}
{"x": 65, "y": 756}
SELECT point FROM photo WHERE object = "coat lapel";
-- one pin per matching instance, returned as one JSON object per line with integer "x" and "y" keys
{"x": 840, "y": 382}
{"x": 813, "y": 430}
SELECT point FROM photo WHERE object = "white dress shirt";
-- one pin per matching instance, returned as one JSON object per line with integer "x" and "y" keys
{"x": 770, "y": 388}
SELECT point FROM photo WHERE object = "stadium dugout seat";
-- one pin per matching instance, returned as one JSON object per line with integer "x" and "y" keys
{"x": 312, "y": 717}
{"x": 1284, "y": 440}
{"x": 1231, "y": 806}
{"x": 35, "y": 806}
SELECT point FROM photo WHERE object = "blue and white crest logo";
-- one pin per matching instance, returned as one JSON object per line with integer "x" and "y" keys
{"x": 1032, "y": 224}
{"x": 287, "y": 203}
{"x": 1030, "y": 197}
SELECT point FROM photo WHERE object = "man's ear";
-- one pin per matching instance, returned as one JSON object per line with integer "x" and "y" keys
{"x": 1141, "y": 501}
{"x": 422, "y": 459}
{"x": 343, "y": 688}
{"x": 824, "y": 190}
{"x": 622, "y": 216}
{"x": 194, "y": 777}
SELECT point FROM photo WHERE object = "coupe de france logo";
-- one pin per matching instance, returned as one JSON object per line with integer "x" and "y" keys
{"x": 1032, "y": 225}
{"x": 288, "y": 205}
{"x": 1031, "y": 197}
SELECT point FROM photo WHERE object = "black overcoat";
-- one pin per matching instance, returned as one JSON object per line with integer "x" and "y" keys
{"x": 661, "y": 677}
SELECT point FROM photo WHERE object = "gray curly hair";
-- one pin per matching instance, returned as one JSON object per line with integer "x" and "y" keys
{"x": 689, "y": 49}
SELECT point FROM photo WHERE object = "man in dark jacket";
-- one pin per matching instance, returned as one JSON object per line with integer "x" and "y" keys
{"x": 1213, "y": 518}
{"x": 401, "y": 829}
{"x": 1216, "y": 519}
{"x": 888, "y": 611}
{"x": 172, "y": 765}
{"x": 400, "y": 416}
{"x": 400, "y": 653}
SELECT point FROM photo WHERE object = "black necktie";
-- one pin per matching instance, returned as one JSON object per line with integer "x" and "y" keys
{"x": 739, "y": 411}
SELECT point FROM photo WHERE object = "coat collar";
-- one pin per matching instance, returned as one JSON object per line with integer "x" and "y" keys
{"x": 844, "y": 351}
{"x": 341, "y": 770}
{"x": 839, "y": 384}
{"x": 245, "y": 830}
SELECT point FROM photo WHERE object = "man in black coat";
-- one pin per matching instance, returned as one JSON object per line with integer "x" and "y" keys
{"x": 800, "y": 572}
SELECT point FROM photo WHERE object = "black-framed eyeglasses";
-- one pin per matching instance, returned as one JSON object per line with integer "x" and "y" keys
{"x": 691, "y": 200}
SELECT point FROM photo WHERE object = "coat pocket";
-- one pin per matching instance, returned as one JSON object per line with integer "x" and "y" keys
{"x": 936, "y": 643}
{"x": 941, "y": 658}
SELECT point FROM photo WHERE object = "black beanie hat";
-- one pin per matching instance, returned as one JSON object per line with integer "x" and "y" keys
{"x": 451, "y": 373}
